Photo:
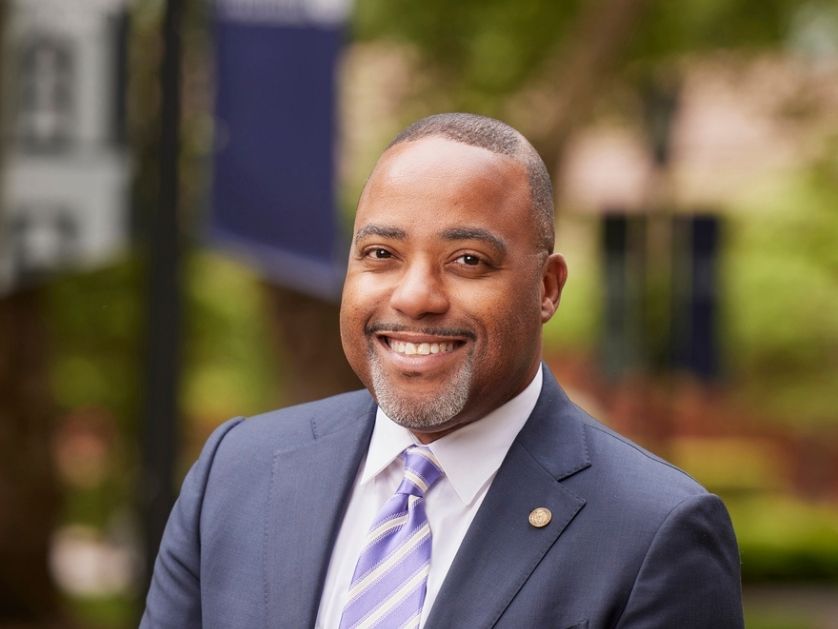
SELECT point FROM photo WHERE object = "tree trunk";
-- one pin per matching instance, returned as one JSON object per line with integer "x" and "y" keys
{"x": 29, "y": 496}
{"x": 307, "y": 336}
{"x": 603, "y": 28}
{"x": 28, "y": 485}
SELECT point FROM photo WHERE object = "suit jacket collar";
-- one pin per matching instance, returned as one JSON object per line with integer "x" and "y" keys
{"x": 552, "y": 446}
{"x": 554, "y": 435}
{"x": 310, "y": 487}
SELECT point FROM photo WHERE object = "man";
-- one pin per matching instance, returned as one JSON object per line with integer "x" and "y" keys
{"x": 462, "y": 488}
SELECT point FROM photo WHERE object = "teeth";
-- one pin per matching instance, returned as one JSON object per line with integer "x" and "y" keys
{"x": 422, "y": 349}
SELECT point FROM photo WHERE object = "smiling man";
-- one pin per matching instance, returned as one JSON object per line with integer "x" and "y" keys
{"x": 450, "y": 279}
{"x": 462, "y": 488}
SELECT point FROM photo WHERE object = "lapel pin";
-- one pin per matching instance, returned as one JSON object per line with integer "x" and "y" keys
{"x": 540, "y": 517}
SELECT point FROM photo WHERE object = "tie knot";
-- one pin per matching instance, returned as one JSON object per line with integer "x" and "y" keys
{"x": 421, "y": 471}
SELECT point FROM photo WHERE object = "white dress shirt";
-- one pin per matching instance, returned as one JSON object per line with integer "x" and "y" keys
{"x": 470, "y": 457}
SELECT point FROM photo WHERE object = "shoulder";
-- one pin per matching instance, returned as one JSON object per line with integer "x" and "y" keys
{"x": 676, "y": 536}
{"x": 289, "y": 427}
{"x": 293, "y": 425}
{"x": 623, "y": 479}
{"x": 635, "y": 469}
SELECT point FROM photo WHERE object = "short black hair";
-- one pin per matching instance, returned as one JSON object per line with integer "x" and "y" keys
{"x": 498, "y": 137}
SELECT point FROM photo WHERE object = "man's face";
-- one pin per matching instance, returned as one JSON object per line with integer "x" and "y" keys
{"x": 447, "y": 287}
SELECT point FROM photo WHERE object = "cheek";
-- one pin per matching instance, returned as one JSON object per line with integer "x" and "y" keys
{"x": 362, "y": 297}
{"x": 355, "y": 296}
{"x": 349, "y": 314}
{"x": 352, "y": 321}
{"x": 514, "y": 325}
{"x": 353, "y": 340}
{"x": 366, "y": 291}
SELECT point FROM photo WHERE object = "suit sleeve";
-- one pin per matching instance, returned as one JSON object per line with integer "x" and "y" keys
{"x": 174, "y": 597}
{"x": 690, "y": 577}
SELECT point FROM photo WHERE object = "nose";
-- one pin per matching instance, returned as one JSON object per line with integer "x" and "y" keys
{"x": 420, "y": 292}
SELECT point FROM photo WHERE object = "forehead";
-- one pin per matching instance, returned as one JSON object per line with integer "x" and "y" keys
{"x": 438, "y": 178}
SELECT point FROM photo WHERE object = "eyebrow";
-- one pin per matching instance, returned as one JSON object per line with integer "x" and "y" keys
{"x": 475, "y": 233}
{"x": 453, "y": 234}
{"x": 380, "y": 230}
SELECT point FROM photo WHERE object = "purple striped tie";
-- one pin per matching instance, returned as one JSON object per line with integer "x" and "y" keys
{"x": 390, "y": 579}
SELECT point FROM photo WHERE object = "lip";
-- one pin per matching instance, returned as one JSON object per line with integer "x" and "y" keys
{"x": 420, "y": 337}
{"x": 415, "y": 363}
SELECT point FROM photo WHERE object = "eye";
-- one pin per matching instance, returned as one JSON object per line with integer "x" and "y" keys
{"x": 379, "y": 253}
{"x": 472, "y": 265}
{"x": 469, "y": 259}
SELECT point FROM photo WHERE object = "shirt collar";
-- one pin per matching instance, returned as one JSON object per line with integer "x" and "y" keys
{"x": 470, "y": 456}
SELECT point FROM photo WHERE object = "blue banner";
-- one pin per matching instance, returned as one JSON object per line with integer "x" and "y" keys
{"x": 273, "y": 191}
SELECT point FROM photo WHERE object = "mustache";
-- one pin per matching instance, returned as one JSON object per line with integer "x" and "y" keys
{"x": 373, "y": 328}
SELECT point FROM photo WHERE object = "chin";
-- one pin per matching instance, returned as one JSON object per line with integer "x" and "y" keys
{"x": 423, "y": 415}
{"x": 426, "y": 413}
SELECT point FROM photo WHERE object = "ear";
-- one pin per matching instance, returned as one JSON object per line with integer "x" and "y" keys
{"x": 552, "y": 282}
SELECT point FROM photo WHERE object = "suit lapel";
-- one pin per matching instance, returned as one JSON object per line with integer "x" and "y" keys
{"x": 501, "y": 549}
{"x": 310, "y": 485}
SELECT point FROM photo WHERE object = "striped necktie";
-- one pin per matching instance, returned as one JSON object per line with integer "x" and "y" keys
{"x": 390, "y": 579}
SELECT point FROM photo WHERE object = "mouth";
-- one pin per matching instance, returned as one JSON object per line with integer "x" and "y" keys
{"x": 421, "y": 348}
{"x": 416, "y": 344}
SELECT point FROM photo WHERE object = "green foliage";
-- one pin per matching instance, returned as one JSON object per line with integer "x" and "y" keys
{"x": 793, "y": 619}
{"x": 669, "y": 29}
{"x": 103, "y": 612}
{"x": 577, "y": 323}
{"x": 486, "y": 46}
{"x": 229, "y": 366}
{"x": 96, "y": 323}
{"x": 95, "y": 364}
{"x": 484, "y": 50}
{"x": 730, "y": 465}
{"x": 93, "y": 319}
{"x": 784, "y": 538}
{"x": 781, "y": 290}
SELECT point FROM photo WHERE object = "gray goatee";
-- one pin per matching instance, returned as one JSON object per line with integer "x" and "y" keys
{"x": 420, "y": 415}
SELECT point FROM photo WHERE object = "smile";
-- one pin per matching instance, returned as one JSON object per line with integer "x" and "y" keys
{"x": 423, "y": 349}
{"x": 428, "y": 345}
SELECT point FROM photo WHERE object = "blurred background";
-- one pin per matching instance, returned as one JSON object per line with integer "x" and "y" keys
{"x": 177, "y": 185}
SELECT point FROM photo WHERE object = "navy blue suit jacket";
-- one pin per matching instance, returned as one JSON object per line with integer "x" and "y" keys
{"x": 633, "y": 542}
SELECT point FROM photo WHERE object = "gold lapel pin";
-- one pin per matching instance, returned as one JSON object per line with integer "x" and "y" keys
{"x": 540, "y": 517}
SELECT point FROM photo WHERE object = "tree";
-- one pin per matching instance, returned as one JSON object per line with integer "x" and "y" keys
{"x": 484, "y": 52}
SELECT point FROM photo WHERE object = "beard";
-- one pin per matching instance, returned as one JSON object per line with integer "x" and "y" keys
{"x": 422, "y": 415}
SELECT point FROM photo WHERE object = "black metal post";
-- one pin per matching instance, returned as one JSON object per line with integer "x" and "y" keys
{"x": 622, "y": 347}
{"x": 695, "y": 343}
{"x": 164, "y": 302}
